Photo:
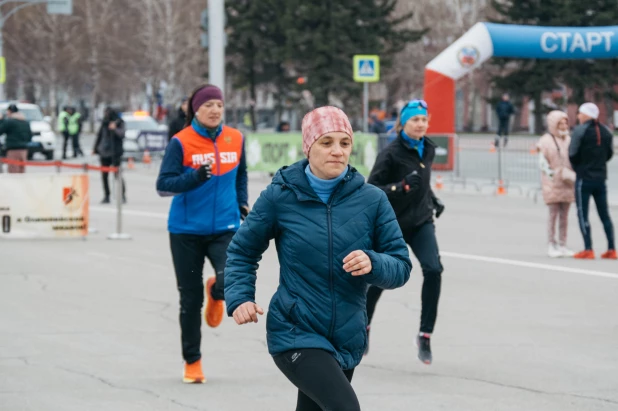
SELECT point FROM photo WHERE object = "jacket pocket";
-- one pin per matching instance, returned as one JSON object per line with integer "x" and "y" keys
{"x": 291, "y": 315}
{"x": 280, "y": 315}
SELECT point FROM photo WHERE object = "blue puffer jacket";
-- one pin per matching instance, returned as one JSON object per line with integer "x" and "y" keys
{"x": 317, "y": 304}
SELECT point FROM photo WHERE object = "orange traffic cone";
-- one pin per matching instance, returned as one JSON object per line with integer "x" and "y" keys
{"x": 534, "y": 150}
{"x": 131, "y": 164}
{"x": 501, "y": 189}
{"x": 147, "y": 159}
{"x": 492, "y": 148}
{"x": 439, "y": 184}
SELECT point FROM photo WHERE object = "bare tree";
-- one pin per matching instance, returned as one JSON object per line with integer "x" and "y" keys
{"x": 41, "y": 56}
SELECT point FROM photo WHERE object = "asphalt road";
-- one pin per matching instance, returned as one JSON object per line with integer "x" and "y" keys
{"x": 93, "y": 324}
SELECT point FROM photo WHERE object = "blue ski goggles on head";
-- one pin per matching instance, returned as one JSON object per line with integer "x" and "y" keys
{"x": 413, "y": 108}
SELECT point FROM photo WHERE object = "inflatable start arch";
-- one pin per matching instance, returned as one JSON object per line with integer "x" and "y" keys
{"x": 485, "y": 40}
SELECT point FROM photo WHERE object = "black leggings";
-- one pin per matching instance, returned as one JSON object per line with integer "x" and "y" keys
{"x": 111, "y": 162}
{"x": 424, "y": 245}
{"x": 322, "y": 384}
{"x": 584, "y": 189}
{"x": 189, "y": 252}
{"x": 503, "y": 127}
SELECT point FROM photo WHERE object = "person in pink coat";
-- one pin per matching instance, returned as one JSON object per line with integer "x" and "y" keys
{"x": 557, "y": 180}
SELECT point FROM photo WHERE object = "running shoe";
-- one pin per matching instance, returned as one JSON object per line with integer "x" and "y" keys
{"x": 424, "y": 349}
{"x": 214, "y": 308}
{"x": 585, "y": 255}
{"x": 566, "y": 252}
{"x": 610, "y": 255}
{"x": 193, "y": 373}
{"x": 553, "y": 251}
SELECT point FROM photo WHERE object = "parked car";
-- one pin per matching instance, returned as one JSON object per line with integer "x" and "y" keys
{"x": 142, "y": 133}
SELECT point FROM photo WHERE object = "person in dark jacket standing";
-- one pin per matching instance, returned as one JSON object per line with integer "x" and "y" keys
{"x": 205, "y": 169}
{"x": 504, "y": 110}
{"x": 403, "y": 171}
{"x": 18, "y": 135}
{"x": 180, "y": 121}
{"x": 334, "y": 235}
{"x": 108, "y": 146}
{"x": 592, "y": 146}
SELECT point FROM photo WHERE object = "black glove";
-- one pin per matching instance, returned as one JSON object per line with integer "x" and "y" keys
{"x": 412, "y": 181}
{"x": 439, "y": 206}
{"x": 204, "y": 172}
{"x": 244, "y": 212}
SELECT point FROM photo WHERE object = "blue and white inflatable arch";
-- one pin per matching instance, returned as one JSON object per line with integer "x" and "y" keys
{"x": 486, "y": 40}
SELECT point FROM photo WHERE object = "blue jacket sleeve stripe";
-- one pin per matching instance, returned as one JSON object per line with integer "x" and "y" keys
{"x": 173, "y": 179}
{"x": 390, "y": 261}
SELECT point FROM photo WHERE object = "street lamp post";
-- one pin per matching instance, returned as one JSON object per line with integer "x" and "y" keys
{"x": 216, "y": 43}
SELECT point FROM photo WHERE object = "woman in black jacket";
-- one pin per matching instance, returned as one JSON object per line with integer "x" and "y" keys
{"x": 403, "y": 171}
{"x": 178, "y": 123}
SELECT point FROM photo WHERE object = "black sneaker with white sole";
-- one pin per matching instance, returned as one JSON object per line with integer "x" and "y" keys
{"x": 424, "y": 349}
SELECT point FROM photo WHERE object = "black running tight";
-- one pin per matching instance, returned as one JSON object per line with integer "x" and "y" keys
{"x": 322, "y": 384}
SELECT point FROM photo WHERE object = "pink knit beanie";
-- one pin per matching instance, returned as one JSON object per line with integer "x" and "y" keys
{"x": 324, "y": 120}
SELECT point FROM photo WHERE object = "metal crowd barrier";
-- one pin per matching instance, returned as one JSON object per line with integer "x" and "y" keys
{"x": 481, "y": 164}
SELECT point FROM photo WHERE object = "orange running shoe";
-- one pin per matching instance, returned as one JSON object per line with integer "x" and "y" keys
{"x": 610, "y": 255}
{"x": 193, "y": 373}
{"x": 585, "y": 255}
{"x": 214, "y": 308}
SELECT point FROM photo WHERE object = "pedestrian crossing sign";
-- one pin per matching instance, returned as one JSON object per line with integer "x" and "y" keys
{"x": 366, "y": 69}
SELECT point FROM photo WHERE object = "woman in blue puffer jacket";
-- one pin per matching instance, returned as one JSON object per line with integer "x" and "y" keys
{"x": 335, "y": 236}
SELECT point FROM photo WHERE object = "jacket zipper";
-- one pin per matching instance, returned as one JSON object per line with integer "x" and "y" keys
{"x": 330, "y": 260}
{"x": 217, "y": 163}
{"x": 420, "y": 162}
{"x": 330, "y": 268}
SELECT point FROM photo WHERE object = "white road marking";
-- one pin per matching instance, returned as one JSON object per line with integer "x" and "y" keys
{"x": 470, "y": 257}
{"x": 526, "y": 264}
{"x": 136, "y": 213}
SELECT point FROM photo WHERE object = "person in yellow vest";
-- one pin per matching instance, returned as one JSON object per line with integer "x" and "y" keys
{"x": 74, "y": 128}
{"x": 63, "y": 128}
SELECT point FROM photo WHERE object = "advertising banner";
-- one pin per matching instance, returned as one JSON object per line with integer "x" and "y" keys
{"x": 445, "y": 152}
{"x": 152, "y": 140}
{"x": 44, "y": 205}
{"x": 270, "y": 151}
{"x": 444, "y": 159}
